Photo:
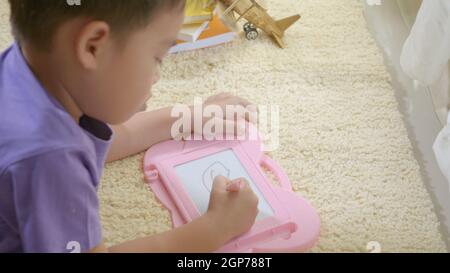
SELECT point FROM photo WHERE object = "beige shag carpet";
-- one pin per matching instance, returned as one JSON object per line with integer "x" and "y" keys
{"x": 343, "y": 142}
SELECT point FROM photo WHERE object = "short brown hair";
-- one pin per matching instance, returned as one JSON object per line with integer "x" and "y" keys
{"x": 36, "y": 21}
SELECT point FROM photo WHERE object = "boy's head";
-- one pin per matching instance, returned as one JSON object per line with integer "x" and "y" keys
{"x": 105, "y": 54}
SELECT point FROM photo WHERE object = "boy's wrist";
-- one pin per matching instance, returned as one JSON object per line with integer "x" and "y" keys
{"x": 217, "y": 230}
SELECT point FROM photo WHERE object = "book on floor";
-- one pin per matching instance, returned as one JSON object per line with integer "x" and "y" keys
{"x": 217, "y": 33}
{"x": 191, "y": 32}
{"x": 198, "y": 11}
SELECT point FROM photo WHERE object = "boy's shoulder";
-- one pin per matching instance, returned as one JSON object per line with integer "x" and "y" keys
{"x": 31, "y": 121}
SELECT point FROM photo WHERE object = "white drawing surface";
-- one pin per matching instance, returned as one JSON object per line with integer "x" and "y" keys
{"x": 198, "y": 176}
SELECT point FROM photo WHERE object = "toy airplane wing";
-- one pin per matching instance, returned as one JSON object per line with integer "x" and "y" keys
{"x": 227, "y": 16}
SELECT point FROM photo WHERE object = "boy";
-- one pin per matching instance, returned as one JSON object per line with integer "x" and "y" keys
{"x": 72, "y": 70}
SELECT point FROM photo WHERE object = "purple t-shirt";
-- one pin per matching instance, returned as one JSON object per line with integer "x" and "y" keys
{"x": 50, "y": 167}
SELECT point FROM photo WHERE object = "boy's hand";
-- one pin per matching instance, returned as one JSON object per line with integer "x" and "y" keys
{"x": 247, "y": 112}
{"x": 233, "y": 207}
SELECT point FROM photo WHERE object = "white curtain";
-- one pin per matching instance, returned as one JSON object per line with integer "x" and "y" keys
{"x": 441, "y": 150}
{"x": 425, "y": 55}
{"x": 426, "y": 52}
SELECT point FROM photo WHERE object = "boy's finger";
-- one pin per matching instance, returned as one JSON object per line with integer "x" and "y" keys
{"x": 244, "y": 111}
{"x": 220, "y": 182}
{"x": 223, "y": 95}
{"x": 235, "y": 185}
{"x": 252, "y": 114}
{"x": 232, "y": 128}
{"x": 240, "y": 101}
{"x": 251, "y": 117}
{"x": 245, "y": 185}
{"x": 223, "y": 129}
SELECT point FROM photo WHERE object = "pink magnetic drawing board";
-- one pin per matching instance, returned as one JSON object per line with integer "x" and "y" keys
{"x": 181, "y": 173}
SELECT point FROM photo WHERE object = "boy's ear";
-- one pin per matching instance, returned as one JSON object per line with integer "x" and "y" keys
{"x": 90, "y": 43}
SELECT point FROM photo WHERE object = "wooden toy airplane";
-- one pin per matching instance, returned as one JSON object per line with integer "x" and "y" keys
{"x": 257, "y": 17}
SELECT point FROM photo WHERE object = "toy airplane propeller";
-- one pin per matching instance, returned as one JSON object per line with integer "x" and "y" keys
{"x": 257, "y": 17}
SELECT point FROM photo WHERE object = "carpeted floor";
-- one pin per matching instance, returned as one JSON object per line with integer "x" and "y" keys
{"x": 343, "y": 142}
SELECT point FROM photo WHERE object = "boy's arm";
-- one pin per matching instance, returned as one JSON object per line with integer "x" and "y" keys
{"x": 145, "y": 129}
{"x": 141, "y": 132}
{"x": 201, "y": 235}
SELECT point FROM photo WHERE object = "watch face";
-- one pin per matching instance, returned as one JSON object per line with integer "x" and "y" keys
{"x": 198, "y": 176}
